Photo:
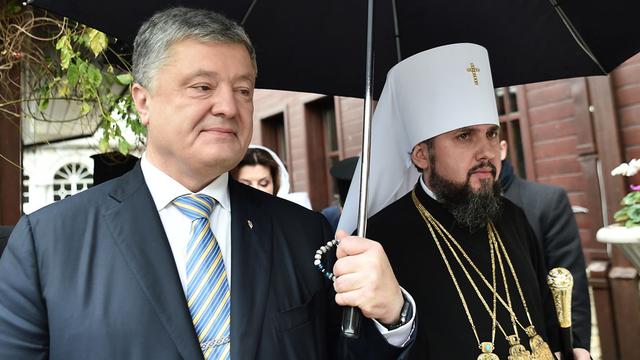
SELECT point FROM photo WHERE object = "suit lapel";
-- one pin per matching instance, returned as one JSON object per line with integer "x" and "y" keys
{"x": 251, "y": 244}
{"x": 139, "y": 234}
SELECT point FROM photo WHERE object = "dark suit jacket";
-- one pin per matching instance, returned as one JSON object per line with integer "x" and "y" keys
{"x": 5, "y": 231}
{"x": 93, "y": 276}
{"x": 548, "y": 210}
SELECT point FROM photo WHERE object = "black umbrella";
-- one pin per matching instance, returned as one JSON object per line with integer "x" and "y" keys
{"x": 319, "y": 46}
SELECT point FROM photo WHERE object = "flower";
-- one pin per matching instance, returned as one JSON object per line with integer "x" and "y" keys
{"x": 629, "y": 214}
{"x": 625, "y": 169}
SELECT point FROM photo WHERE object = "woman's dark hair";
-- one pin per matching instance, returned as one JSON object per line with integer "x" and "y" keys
{"x": 255, "y": 156}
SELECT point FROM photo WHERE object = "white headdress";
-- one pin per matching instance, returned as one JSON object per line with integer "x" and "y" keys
{"x": 427, "y": 94}
{"x": 300, "y": 198}
{"x": 282, "y": 170}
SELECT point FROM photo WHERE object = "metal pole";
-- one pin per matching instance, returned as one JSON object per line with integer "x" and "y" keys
{"x": 351, "y": 316}
{"x": 576, "y": 34}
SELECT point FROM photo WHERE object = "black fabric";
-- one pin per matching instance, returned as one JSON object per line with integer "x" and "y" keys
{"x": 320, "y": 46}
{"x": 109, "y": 166}
{"x": 444, "y": 331}
{"x": 549, "y": 212}
{"x": 93, "y": 276}
{"x": 506, "y": 174}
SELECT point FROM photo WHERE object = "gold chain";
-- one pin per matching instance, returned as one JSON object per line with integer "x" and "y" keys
{"x": 492, "y": 241}
{"x": 431, "y": 222}
{"x": 484, "y": 279}
{"x": 513, "y": 272}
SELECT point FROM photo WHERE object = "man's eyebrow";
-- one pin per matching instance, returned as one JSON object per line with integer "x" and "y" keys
{"x": 214, "y": 74}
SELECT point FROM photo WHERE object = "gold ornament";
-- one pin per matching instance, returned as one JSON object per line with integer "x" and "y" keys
{"x": 489, "y": 356}
{"x": 487, "y": 352}
{"x": 539, "y": 347}
{"x": 561, "y": 282}
{"x": 516, "y": 350}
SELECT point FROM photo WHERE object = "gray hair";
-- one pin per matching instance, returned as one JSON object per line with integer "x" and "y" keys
{"x": 167, "y": 27}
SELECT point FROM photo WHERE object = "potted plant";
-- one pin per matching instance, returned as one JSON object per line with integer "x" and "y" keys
{"x": 626, "y": 231}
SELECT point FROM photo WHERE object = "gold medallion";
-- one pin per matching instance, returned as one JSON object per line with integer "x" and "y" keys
{"x": 489, "y": 356}
{"x": 487, "y": 352}
{"x": 516, "y": 350}
{"x": 539, "y": 347}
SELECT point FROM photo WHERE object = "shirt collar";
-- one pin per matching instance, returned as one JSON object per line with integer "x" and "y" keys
{"x": 427, "y": 190}
{"x": 164, "y": 189}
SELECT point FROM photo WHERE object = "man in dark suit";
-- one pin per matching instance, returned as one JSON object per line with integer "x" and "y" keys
{"x": 5, "y": 231}
{"x": 174, "y": 260}
{"x": 549, "y": 212}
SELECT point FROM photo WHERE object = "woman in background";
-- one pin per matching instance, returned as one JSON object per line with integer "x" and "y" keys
{"x": 259, "y": 170}
{"x": 262, "y": 169}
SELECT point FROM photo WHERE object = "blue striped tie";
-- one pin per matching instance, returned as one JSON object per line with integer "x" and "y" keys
{"x": 208, "y": 294}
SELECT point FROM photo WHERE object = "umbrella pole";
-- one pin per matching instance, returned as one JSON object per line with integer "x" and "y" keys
{"x": 351, "y": 316}
{"x": 576, "y": 35}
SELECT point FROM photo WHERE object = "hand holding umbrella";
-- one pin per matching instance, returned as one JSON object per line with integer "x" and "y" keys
{"x": 365, "y": 281}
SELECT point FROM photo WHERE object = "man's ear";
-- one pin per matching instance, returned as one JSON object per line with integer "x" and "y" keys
{"x": 141, "y": 98}
{"x": 420, "y": 156}
{"x": 503, "y": 149}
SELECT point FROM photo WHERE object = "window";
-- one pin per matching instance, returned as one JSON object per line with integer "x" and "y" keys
{"x": 510, "y": 123}
{"x": 274, "y": 135}
{"x": 324, "y": 149}
{"x": 70, "y": 180}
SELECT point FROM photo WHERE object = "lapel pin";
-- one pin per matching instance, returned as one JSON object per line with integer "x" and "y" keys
{"x": 250, "y": 224}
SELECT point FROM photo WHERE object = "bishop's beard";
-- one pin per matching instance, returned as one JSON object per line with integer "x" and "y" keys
{"x": 470, "y": 209}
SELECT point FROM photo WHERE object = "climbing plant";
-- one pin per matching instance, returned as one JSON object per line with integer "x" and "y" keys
{"x": 60, "y": 59}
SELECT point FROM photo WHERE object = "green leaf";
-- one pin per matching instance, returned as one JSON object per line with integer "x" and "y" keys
{"x": 63, "y": 45}
{"x": 63, "y": 89}
{"x": 631, "y": 223}
{"x": 82, "y": 66}
{"x": 43, "y": 104}
{"x": 45, "y": 94}
{"x": 97, "y": 41}
{"x": 621, "y": 215}
{"x": 628, "y": 199}
{"x": 73, "y": 74}
{"x": 94, "y": 76}
{"x": 125, "y": 79}
{"x": 123, "y": 146}
{"x": 104, "y": 143}
{"x": 634, "y": 213}
{"x": 85, "y": 108}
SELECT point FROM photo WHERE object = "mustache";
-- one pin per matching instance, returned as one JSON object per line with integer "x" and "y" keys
{"x": 483, "y": 164}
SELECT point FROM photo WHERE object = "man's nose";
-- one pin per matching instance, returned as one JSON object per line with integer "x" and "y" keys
{"x": 224, "y": 103}
{"x": 488, "y": 150}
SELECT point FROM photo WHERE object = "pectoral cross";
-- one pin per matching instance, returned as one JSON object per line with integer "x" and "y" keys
{"x": 474, "y": 71}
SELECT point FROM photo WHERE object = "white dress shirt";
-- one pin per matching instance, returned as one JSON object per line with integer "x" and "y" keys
{"x": 164, "y": 189}
{"x": 177, "y": 226}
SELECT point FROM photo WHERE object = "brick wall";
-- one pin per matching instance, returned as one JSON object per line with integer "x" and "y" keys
{"x": 626, "y": 87}
{"x": 553, "y": 134}
{"x": 292, "y": 105}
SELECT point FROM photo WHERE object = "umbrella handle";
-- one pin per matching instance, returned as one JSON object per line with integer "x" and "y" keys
{"x": 351, "y": 317}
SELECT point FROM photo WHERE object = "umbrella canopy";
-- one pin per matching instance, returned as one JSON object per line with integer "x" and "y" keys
{"x": 319, "y": 46}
